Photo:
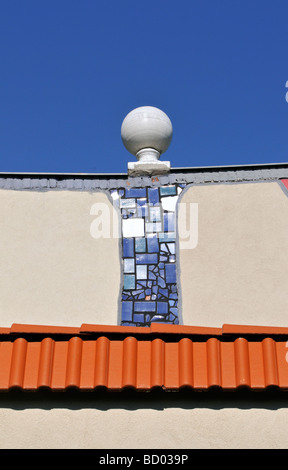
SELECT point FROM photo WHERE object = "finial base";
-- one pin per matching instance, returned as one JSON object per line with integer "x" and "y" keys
{"x": 148, "y": 155}
{"x": 149, "y": 168}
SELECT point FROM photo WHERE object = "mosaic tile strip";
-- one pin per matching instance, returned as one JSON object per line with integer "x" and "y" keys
{"x": 148, "y": 217}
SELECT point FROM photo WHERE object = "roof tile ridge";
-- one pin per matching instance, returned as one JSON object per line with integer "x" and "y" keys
{"x": 96, "y": 328}
{"x": 41, "y": 329}
{"x": 236, "y": 329}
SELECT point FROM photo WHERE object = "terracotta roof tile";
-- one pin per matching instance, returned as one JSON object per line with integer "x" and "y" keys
{"x": 119, "y": 357}
{"x": 105, "y": 329}
{"x": 46, "y": 329}
{"x": 254, "y": 330}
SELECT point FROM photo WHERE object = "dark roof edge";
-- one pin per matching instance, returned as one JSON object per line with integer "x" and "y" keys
{"x": 202, "y": 169}
{"x": 95, "y": 182}
{"x": 250, "y": 166}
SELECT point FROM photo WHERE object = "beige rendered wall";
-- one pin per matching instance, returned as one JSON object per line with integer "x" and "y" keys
{"x": 145, "y": 424}
{"x": 238, "y": 272}
{"x": 53, "y": 269}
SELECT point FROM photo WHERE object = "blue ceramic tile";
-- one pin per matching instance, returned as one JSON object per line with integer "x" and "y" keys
{"x": 153, "y": 196}
{"x": 129, "y": 281}
{"x": 141, "y": 211}
{"x": 162, "y": 307}
{"x": 170, "y": 273}
{"x": 163, "y": 292}
{"x": 128, "y": 247}
{"x": 153, "y": 244}
{"x": 167, "y": 237}
{"x": 135, "y": 192}
{"x": 174, "y": 310}
{"x": 127, "y": 203}
{"x": 146, "y": 306}
{"x": 149, "y": 258}
{"x": 169, "y": 222}
{"x": 168, "y": 190}
{"x": 161, "y": 282}
{"x": 173, "y": 296}
{"x": 140, "y": 245}
{"x": 163, "y": 247}
{"x": 142, "y": 284}
{"x": 127, "y": 310}
{"x": 138, "y": 291}
{"x": 138, "y": 317}
{"x": 142, "y": 202}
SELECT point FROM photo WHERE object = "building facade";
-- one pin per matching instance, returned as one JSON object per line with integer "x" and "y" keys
{"x": 144, "y": 310}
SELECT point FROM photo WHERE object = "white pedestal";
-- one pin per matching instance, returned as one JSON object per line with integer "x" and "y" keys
{"x": 148, "y": 168}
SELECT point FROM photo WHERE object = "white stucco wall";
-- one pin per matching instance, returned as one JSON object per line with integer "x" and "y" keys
{"x": 53, "y": 270}
{"x": 143, "y": 426}
{"x": 238, "y": 272}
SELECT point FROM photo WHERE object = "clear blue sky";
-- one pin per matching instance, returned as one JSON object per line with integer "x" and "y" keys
{"x": 71, "y": 70}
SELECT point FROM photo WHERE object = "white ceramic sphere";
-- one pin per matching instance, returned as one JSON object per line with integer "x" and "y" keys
{"x": 146, "y": 127}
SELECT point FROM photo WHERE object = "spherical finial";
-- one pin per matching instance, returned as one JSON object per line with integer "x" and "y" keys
{"x": 146, "y": 132}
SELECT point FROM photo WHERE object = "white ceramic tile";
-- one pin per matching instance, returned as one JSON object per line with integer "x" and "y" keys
{"x": 141, "y": 271}
{"x": 114, "y": 195}
{"x": 169, "y": 203}
{"x": 127, "y": 203}
{"x": 153, "y": 227}
{"x": 129, "y": 265}
{"x": 171, "y": 247}
{"x": 155, "y": 213}
{"x": 133, "y": 227}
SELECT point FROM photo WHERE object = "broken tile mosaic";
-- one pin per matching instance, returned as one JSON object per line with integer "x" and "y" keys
{"x": 150, "y": 292}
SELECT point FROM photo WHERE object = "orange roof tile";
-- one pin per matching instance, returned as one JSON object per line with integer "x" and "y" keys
{"x": 169, "y": 357}
{"x": 254, "y": 330}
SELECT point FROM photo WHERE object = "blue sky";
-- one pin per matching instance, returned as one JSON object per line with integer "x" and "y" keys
{"x": 71, "y": 70}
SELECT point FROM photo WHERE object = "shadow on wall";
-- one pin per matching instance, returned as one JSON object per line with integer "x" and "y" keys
{"x": 156, "y": 400}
